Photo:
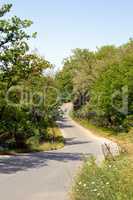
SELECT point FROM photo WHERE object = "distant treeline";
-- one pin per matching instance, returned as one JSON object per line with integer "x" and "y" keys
{"x": 100, "y": 84}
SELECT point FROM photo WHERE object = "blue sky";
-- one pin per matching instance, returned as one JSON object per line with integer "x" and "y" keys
{"x": 63, "y": 25}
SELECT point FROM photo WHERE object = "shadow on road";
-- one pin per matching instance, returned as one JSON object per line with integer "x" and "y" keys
{"x": 61, "y": 124}
{"x": 24, "y": 162}
{"x": 35, "y": 160}
{"x": 74, "y": 141}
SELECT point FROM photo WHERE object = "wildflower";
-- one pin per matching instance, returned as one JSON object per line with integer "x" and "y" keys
{"x": 88, "y": 163}
{"x": 84, "y": 185}
{"x": 93, "y": 183}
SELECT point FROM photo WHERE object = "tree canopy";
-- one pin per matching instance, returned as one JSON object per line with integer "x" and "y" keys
{"x": 27, "y": 105}
{"x": 100, "y": 84}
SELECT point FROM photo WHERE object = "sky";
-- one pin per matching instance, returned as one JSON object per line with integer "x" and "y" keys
{"x": 63, "y": 25}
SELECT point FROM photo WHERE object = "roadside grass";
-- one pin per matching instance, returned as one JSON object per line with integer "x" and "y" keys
{"x": 34, "y": 146}
{"x": 124, "y": 139}
{"x": 113, "y": 180}
{"x": 53, "y": 144}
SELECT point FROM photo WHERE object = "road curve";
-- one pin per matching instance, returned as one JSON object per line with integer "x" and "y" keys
{"x": 48, "y": 175}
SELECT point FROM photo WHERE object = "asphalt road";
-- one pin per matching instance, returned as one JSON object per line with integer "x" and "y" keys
{"x": 48, "y": 175}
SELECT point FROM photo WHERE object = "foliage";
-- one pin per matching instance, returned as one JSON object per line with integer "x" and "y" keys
{"x": 112, "y": 95}
{"x": 27, "y": 105}
{"x": 34, "y": 144}
{"x": 113, "y": 180}
{"x": 101, "y": 85}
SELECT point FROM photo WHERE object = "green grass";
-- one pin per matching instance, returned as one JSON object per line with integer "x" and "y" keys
{"x": 47, "y": 145}
{"x": 111, "y": 181}
{"x": 124, "y": 139}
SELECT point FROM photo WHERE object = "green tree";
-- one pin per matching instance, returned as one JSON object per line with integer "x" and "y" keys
{"x": 24, "y": 114}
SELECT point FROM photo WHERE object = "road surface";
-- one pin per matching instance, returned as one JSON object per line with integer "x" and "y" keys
{"x": 48, "y": 175}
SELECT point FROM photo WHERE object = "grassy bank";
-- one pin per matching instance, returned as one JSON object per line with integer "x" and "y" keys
{"x": 51, "y": 143}
{"x": 124, "y": 139}
{"x": 112, "y": 180}
{"x": 56, "y": 142}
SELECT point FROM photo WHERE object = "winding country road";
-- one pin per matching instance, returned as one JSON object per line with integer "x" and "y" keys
{"x": 48, "y": 175}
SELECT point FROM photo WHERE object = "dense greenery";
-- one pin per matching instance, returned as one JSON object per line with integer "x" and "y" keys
{"x": 112, "y": 181}
{"x": 100, "y": 85}
{"x": 28, "y": 105}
